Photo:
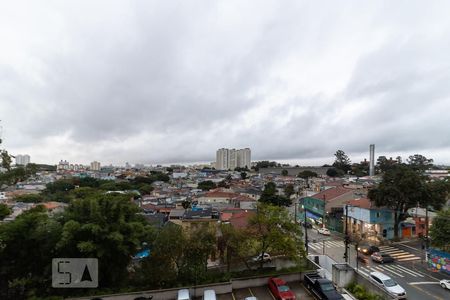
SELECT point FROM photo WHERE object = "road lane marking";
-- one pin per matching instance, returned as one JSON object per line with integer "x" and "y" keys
{"x": 423, "y": 282}
{"x": 389, "y": 270}
{"x": 270, "y": 292}
{"x": 406, "y": 271}
{"x": 393, "y": 251}
{"x": 232, "y": 295}
{"x": 399, "y": 256}
{"x": 364, "y": 273}
{"x": 415, "y": 249}
{"x": 417, "y": 272}
{"x": 410, "y": 258}
{"x": 423, "y": 291}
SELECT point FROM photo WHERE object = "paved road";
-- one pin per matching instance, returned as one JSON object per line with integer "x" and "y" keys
{"x": 408, "y": 269}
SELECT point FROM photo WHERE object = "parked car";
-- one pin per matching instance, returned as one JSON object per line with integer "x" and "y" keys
{"x": 445, "y": 283}
{"x": 209, "y": 295}
{"x": 388, "y": 284}
{"x": 251, "y": 298}
{"x": 324, "y": 231}
{"x": 368, "y": 249}
{"x": 280, "y": 290}
{"x": 265, "y": 257}
{"x": 184, "y": 295}
{"x": 321, "y": 288}
{"x": 381, "y": 257}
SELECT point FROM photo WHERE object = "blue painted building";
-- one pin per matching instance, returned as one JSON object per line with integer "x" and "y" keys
{"x": 367, "y": 222}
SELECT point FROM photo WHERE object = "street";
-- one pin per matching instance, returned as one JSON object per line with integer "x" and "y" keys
{"x": 408, "y": 269}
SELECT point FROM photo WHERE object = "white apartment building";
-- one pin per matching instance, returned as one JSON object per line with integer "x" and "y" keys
{"x": 95, "y": 166}
{"x": 232, "y": 158}
{"x": 22, "y": 160}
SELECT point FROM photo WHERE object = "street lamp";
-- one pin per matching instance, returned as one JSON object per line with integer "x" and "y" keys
{"x": 306, "y": 229}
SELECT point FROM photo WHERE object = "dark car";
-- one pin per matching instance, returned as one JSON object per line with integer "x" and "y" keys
{"x": 307, "y": 225}
{"x": 382, "y": 257}
{"x": 368, "y": 249}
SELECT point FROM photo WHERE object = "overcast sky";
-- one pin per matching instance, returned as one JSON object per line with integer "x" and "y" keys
{"x": 172, "y": 81}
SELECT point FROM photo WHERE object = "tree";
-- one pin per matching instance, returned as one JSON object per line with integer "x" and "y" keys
{"x": 342, "y": 162}
{"x": 199, "y": 245}
{"x": 243, "y": 175}
{"x": 30, "y": 198}
{"x": 6, "y": 160}
{"x": 186, "y": 204}
{"x": 384, "y": 164}
{"x": 160, "y": 269}
{"x": 332, "y": 172}
{"x": 107, "y": 227}
{"x": 284, "y": 172}
{"x": 419, "y": 162}
{"x": 440, "y": 230}
{"x": 403, "y": 188}
{"x": 4, "y": 211}
{"x": 276, "y": 233}
{"x": 27, "y": 246}
{"x": 270, "y": 196}
{"x": 306, "y": 174}
{"x": 206, "y": 185}
{"x": 361, "y": 169}
{"x": 236, "y": 244}
{"x": 289, "y": 190}
{"x": 223, "y": 184}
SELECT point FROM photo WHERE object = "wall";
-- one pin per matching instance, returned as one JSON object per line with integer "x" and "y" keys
{"x": 439, "y": 260}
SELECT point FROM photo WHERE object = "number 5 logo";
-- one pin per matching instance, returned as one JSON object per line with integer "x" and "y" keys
{"x": 60, "y": 263}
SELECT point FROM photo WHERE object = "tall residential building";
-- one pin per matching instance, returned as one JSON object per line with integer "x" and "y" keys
{"x": 95, "y": 166}
{"x": 232, "y": 158}
{"x": 22, "y": 160}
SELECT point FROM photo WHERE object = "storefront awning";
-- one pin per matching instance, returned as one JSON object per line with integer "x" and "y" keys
{"x": 312, "y": 215}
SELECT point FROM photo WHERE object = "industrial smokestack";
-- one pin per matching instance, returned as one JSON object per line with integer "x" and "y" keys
{"x": 372, "y": 160}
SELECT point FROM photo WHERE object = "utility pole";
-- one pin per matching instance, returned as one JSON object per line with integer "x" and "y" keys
{"x": 295, "y": 212}
{"x": 346, "y": 239}
{"x": 306, "y": 229}
{"x": 427, "y": 240}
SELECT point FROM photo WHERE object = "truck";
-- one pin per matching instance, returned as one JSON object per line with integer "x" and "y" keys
{"x": 321, "y": 288}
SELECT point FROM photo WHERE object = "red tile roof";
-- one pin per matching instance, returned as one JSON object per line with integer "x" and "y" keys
{"x": 332, "y": 193}
{"x": 241, "y": 220}
{"x": 361, "y": 202}
{"x": 216, "y": 194}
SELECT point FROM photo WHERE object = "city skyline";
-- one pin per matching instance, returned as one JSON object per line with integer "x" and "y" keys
{"x": 162, "y": 83}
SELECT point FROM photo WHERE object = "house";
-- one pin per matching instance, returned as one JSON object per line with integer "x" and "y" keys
{"x": 366, "y": 221}
{"x": 216, "y": 197}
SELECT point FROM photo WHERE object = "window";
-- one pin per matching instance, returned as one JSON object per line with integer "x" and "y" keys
{"x": 378, "y": 214}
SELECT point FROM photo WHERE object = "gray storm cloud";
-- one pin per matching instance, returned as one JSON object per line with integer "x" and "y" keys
{"x": 159, "y": 82}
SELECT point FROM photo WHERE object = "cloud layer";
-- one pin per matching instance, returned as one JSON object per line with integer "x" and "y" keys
{"x": 172, "y": 81}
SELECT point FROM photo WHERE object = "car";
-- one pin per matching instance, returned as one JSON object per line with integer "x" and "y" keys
{"x": 388, "y": 284}
{"x": 184, "y": 294}
{"x": 251, "y": 298}
{"x": 363, "y": 258}
{"x": 307, "y": 225}
{"x": 445, "y": 283}
{"x": 368, "y": 249}
{"x": 280, "y": 290}
{"x": 209, "y": 295}
{"x": 324, "y": 231}
{"x": 265, "y": 258}
{"x": 381, "y": 257}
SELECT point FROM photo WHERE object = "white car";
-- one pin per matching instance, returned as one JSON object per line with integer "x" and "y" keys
{"x": 445, "y": 283}
{"x": 388, "y": 284}
{"x": 184, "y": 294}
{"x": 324, "y": 231}
{"x": 265, "y": 258}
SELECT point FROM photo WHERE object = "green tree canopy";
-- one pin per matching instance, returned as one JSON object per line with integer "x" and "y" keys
{"x": 104, "y": 226}
{"x": 284, "y": 172}
{"x": 4, "y": 211}
{"x": 206, "y": 185}
{"x": 403, "y": 188}
{"x": 276, "y": 233}
{"x": 419, "y": 162}
{"x": 342, "y": 162}
{"x": 270, "y": 196}
{"x": 440, "y": 230}
{"x": 289, "y": 190}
